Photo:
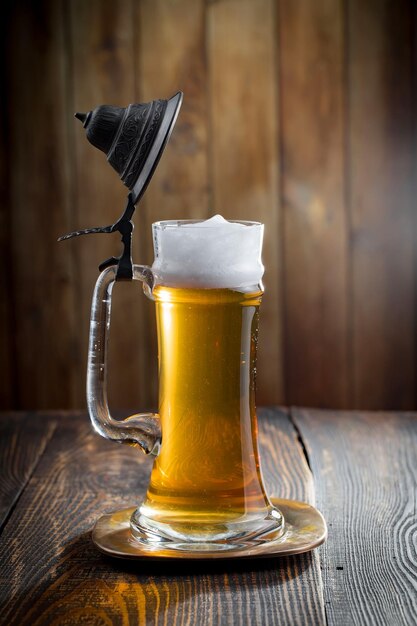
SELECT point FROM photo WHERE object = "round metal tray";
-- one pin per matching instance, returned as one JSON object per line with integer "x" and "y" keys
{"x": 305, "y": 529}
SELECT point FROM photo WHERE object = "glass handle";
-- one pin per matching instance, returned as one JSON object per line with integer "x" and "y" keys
{"x": 142, "y": 429}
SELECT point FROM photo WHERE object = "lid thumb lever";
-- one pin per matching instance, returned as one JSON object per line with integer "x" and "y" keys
{"x": 124, "y": 226}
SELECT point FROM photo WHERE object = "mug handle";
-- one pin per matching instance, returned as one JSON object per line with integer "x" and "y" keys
{"x": 141, "y": 429}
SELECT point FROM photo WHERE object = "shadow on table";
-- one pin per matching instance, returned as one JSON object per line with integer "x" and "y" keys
{"x": 82, "y": 550}
{"x": 293, "y": 565}
{"x": 82, "y": 584}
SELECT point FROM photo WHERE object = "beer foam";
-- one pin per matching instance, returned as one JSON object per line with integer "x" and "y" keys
{"x": 208, "y": 254}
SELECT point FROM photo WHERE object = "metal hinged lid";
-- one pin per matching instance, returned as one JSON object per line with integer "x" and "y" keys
{"x": 133, "y": 139}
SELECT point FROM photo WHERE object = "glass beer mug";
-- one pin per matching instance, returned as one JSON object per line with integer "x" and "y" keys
{"x": 206, "y": 486}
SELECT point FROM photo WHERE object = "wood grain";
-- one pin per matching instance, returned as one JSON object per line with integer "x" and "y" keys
{"x": 382, "y": 204}
{"x": 23, "y": 440}
{"x": 300, "y": 114}
{"x": 171, "y": 58}
{"x": 365, "y": 465}
{"x": 244, "y": 166}
{"x": 43, "y": 279}
{"x": 315, "y": 223}
{"x": 7, "y": 347}
{"x": 102, "y": 61}
{"x": 51, "y": 573}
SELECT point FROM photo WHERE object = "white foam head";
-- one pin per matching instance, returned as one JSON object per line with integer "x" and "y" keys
{"x": 208, "y": 254}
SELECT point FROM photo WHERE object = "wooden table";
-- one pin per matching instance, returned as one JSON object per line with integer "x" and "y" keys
{"x": 359, "y": 468}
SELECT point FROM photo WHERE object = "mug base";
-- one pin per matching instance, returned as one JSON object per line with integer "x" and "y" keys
{"x": 305, "y": 529}
{"x": 207, "y": 537}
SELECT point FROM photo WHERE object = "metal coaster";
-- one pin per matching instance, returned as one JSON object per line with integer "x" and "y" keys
{"x": 305, "y": 529}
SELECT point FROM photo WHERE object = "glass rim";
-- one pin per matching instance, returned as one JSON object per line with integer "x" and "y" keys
{"x": 176, "y": 223}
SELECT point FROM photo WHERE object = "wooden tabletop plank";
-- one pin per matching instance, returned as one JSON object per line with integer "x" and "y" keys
{"x": 365, "y": 469}
{"x": 51, "y": 572}
{"x": 23, "y": 440}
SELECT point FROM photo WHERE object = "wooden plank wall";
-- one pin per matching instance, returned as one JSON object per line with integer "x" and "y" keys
{"x": 299, "y": 113}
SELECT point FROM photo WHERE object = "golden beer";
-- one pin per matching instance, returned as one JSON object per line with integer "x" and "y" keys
{"x": 207, "y": 471}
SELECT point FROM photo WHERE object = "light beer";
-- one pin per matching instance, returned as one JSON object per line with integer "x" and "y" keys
{"x": 207, "y": 471}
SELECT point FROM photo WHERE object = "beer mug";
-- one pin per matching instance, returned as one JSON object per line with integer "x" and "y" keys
{"x": 206, "y": 489}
